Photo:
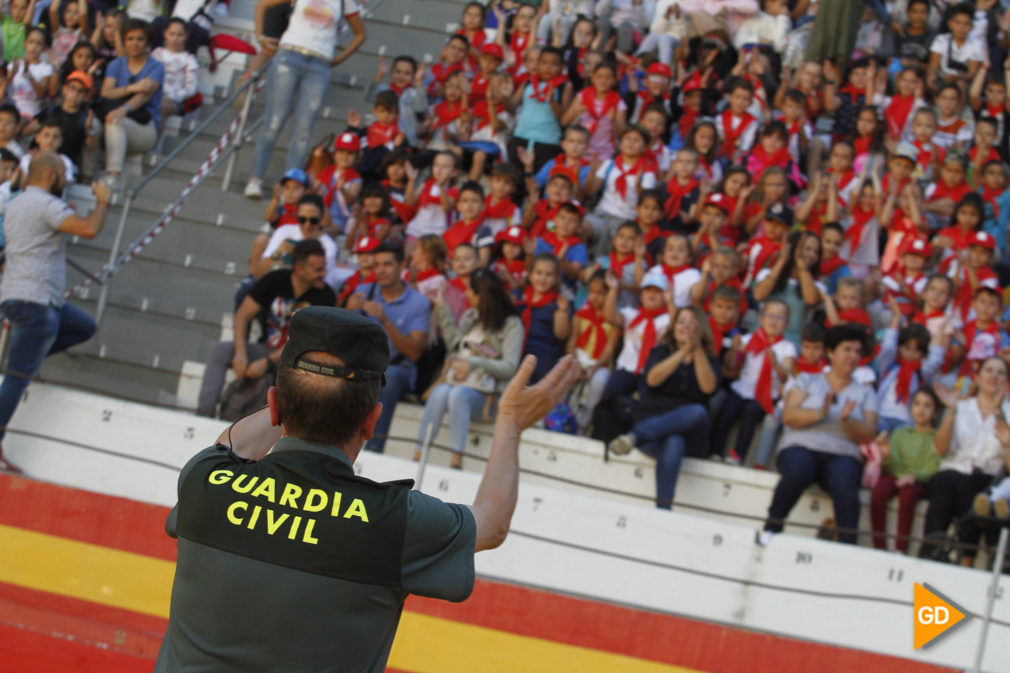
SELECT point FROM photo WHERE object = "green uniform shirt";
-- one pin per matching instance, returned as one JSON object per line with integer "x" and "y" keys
{"x": 14, "y": 39}
{"x": 294, "y": 563}
{"x": 912, "y": 453}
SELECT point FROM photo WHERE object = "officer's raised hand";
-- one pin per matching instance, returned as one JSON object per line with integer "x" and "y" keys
{"x": 526, "y": 405}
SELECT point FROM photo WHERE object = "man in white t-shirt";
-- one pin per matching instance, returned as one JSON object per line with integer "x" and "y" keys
{"x": 299, "y": 76}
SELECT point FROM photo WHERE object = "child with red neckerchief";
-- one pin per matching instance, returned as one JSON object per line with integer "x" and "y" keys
{"x": 928, "y": 154}
{"x": 443, "y": 128}
{"x": 642, "y": 327}
{"x": 490, "y": 58}
{"x": 841, "y": 168}
{"x": 371, "y": 218}
{"x": 545, "y": 313}
{"x": 426, "y": 272}
{"x": 472, "y": 28}
{"x": 771, "y": 191}
{"x": 452, "y": 61}
{"x": 734, "y": 187}
{"x": 980, "y": 338}
{"x": 983, "y": 150}
{"x": 695, "y": 131}
{"x": 935, "y": 314}
{"x": 406, "y": 80}
{"x": 952, "y": 132}
{"x": 725, "y": 306}
{"x": 508, "y": 260}
{"x": 772, "y": 151}
{"x": 996, "y": 201}
{"x": 621, "y": 180}
{"x": 905, "y": 287}
{"x": 856, "y": 91}
{"x": 988, "y": 98}
{"x": 677, "y": 266}
{"x": 500, "y": 211}
{"x": 862, "y": 228}
{"x": 572, "y": 158}
{"x": 398, "y": 183}
{"x": 970, "y": 270}
{"x": 764, "y": 250}
{"x": 711, "y": 220}
{"x": 683, "y": 203}
{"x": 364, "y": 251}
{"x": 464, "y": 261}
{"x": 381, "y": 137}
{"x": 721, "y": 269}
{"x": 593, "y": 342}
{"x": 539, "y": 104}
{"x": 340, "y": 185}
{"x": 434, "y": 200}
{"x": 761, "y": 363}
{"x": 470, "y": 207}
{"x": 627, "y": 261}
{"x": 735, "y": 126}
{"x": 868, "y": 141}
{"x": 907, "y": 360}
{"x": 899, "y": 109}
{"x": 655, "y": 92}
{"x": 565, "y": 244}
{"x": 540, "y": 213}
{"x": 649, "y": 218}
{"x": 965, "y": 222}
{"x": 901, "y": 215}
{"x": 601, "y": 110}
{"x": 521, "y": 37}
{"x": 488, "y": 125}
{"x": 799, "y": 129}
{"x": 654, "y": 122}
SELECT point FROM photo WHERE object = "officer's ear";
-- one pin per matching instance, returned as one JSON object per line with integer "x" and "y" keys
{"x": 275, "y": 411}
{"x": 368, "y": 427}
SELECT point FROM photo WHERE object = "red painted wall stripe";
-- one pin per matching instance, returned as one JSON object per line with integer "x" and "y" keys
{"x": 23, "y": 652}
{"x": 84, "y": 516}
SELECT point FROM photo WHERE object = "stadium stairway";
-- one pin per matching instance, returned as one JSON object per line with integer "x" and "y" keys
{"x": 170, "y": 304}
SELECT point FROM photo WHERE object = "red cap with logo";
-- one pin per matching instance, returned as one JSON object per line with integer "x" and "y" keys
{"x": 493, "y": 49}
{"x": 511, "y": 235}
{"x": 720, "y": 201}
{"x": 984, "y": 239}
{"x": 366, "y": 244}
{"x": 660, "y": 70}
{"x": 919, "y": 246}
{"x": 347, "y": 141}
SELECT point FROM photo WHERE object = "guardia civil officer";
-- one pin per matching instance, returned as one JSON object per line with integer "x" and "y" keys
{"x": 287, "y": 560}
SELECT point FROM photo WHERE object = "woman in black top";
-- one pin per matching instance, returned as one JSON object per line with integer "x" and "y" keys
{"x": 672, "y": 416}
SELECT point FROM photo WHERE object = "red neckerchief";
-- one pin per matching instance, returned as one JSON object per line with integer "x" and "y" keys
{"x": 686, "y": 123}
{"x": 329, "y": 177}
{"x": 731, "y": 135}
{"x": 381, "y": 134}
{"x": 478, "y": 89}
{"x": 885, "y": 184}
{"x": 648, "y": 333}
{"x": 856, "y": 315}
{"x": 780, "y": 159}
{"x": 398, "y": 90}
{"x": 519, "y": 44}
{"x": 520, "y": 80}
{"x": 718, "y": 332}
{"x": 352, "y": 283}
{"x": 829, "y": 266}
{"x": 847, "y": 177}
{"x": 372, "y": 223}
{"x": 759, "y": 344}
{"x": 963, "y": 296}
{"x": 922, "y": 317}
{"x": 992, "y": 155}
{"x": 441, "y": 72}
{"x": 552, "y": 239}
{"x": 621, "y": 182}
{"x": 905, "y": 301}
{"x": 804, "y": 367}
{"x": 502, "y": 210}
{"x": 617, "y": 264}
{"x": 906, "y": 369}
{"x": 648, "y": 99}
{"x": 989, "y": 196}
{"x": 854, "y": 234}
{"x": 814, "y": 104}
{"x": 706, "y": 166}
{"x": 852, "y": 92}
{"x": 544, "y": 213}
{"x": 459, "y": 283}
{"x": 415, "y": 277}
{"x": 794, "y": 128}
{"x": 926, "y": 153}
{"x": 952, "y": 127}
{"x": 397, "y": 198}
{"x": 862, "y": 145}
{"x": 529, "y": 304}
{"x": 610, "y": 102}
{"x": 593, "y": 329}
{"x": 549, "y": 86}
{"x": 446, "y": 113}
{"x": 461, "y": 232}
{"x": 995, "y": 111}
{"x": 768, "y": 251}
{"x": 427, "y": 198}
{"x": 671, "y": 271}
{"x": 515, "y": 268}
{"x": 945, "y": 191}
{"x": 288, "y": 214}
{"x": 677, "y": 193}
{"x": 481, "y": 112}
{"x": 897, "y": 112}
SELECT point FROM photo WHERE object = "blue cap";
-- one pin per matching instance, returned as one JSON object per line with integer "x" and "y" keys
{"x": 656, "y": 278}
{"x": 296, "y": 174}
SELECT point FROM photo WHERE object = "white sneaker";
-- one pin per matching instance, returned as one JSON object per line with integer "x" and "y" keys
{"x": 254, "y": 189}
{"x": 622, "y": 446}
{"x": 763, "y": 537}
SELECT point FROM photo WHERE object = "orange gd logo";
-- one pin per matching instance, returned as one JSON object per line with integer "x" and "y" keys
{"x": 935, "y": 615}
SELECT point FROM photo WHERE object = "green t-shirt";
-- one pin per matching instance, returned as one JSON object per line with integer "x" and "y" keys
{"x": 912, "y": 453}
{"x": 14, "y": 38}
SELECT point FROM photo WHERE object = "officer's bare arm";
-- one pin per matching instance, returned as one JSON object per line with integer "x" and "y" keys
{"x": 251, "y": 437}
{"x": 519, "y": 408}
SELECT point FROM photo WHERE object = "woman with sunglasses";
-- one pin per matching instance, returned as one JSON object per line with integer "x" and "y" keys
{"x": 484, "y": 351}
{"x": 309, "y": 215}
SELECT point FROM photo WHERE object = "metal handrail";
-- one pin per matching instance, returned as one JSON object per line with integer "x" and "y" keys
{"x": 131, "y": 194}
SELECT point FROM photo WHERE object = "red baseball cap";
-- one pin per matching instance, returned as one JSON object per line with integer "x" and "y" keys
{"x": 919, "y": 246}
{"x": 82, "y": 77}
{"x": 660, "y": 69}
{"x": 719, "y": 200}
{"x": 366, "y": 244}
{"x": 347, "y": 141}
{"x": 511, "y": 235}
{"x": 493, "y": 49}
{"x": 693, "y": 83}
{"x": 984, "y": 239}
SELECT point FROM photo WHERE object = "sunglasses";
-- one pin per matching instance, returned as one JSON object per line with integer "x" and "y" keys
{"x": 309, "y": 220}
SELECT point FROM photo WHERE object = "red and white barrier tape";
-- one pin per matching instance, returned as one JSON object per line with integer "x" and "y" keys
{"x": 108, "y": 271}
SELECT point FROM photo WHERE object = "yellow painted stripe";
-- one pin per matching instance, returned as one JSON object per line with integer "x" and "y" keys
{"x": 424, "y": 644}
{"x": 85, "y": 571}
{"x": 427, "y": 644}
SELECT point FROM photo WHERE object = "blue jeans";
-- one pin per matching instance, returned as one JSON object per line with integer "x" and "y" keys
{"x": 298, "y": 81}
{"x": 667, "y": 438}
{"x": 37, "y": 331}
{"x": 398, "y": 380}
{"x": 840, "y": 476}
{"x": 463, "y": 404}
